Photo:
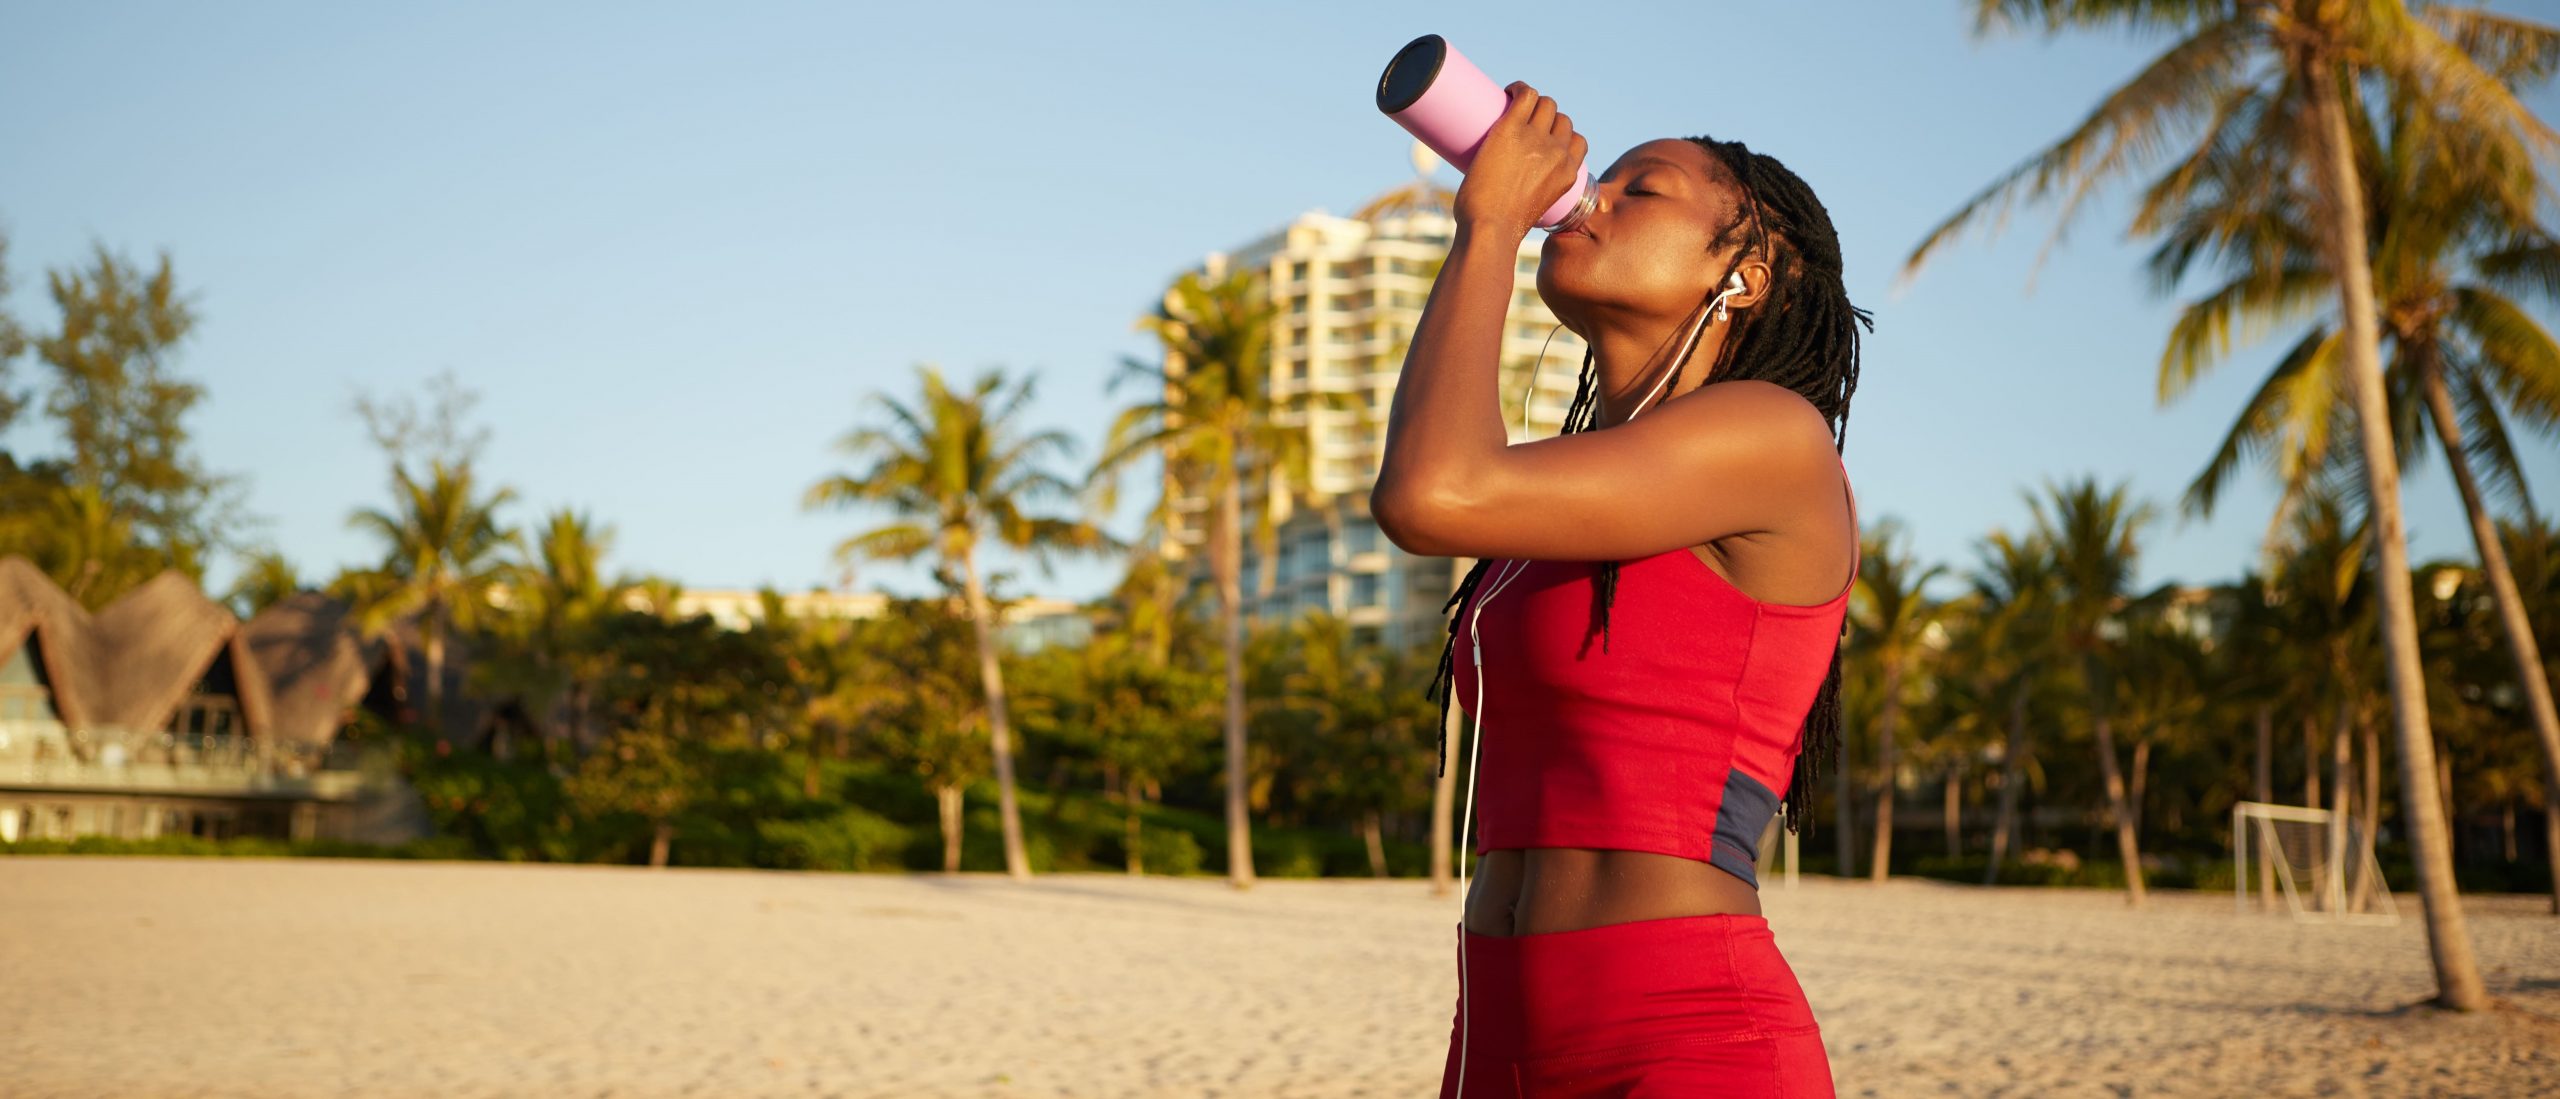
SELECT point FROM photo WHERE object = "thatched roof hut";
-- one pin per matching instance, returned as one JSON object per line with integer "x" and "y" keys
{"x": 298, "y": 670}
{"x": 313, "y": 663}
{"x": 134, "y": 662}
{"x": 155, "y": 643}
{"x": 32, "y": 607}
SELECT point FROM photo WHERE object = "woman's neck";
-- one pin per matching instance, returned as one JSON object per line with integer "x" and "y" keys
{"x": 1632, "y": 357}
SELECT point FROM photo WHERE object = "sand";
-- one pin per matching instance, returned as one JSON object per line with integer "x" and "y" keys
{"x": 220, "y": 977}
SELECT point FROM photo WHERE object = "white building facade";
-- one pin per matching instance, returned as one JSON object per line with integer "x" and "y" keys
{"x": 1349, "y": 292}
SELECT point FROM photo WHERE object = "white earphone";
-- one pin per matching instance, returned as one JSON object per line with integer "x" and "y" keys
{"x": 1715, "y": 311}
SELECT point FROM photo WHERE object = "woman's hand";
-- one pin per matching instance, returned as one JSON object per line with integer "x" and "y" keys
{"x": 1526, "y": 162}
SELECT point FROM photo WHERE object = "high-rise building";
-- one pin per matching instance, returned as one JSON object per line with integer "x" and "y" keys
{"x": 1349, "y": 292}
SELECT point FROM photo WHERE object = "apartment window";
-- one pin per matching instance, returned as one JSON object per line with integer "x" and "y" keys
{"x": 1363, "y": 538}
{"x": 1364, "y": 589}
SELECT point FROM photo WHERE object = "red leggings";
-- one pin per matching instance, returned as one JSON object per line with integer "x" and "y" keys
{"x": 1688, "y": 1005}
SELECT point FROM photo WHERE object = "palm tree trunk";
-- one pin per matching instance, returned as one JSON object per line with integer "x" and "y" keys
{"x": 946, "y": 803}
{"x": 2369, "y": 811}
{"x": 2141, "y": 783}
{"x": 2551, "y": 831}
{"x": 2448, "y": 934}
{"x": 2127, "y": 847}
{"x": 1017, "y": 861}
{"x": 1881, "y": 864}
{"x": 809, "y": 770}
{"x": 1134, "y": 831}
{"x": 1444, "y": 789}
{"x": 1230, "y": 600}
{"x": 2334, "y": 893}
{"x": 661, "y": 837}
{"x": 2502, "y": 587}
{"x": 432, "y": 624}
{"x": 2310, "y": 760}
{"x": 1373, "y": 830}
{"x": 1955, "y": 812}
{"x": 1057, "y": 803}
{"x": 1844, "y": 814}
{"x": 2444, "y": 790}
{"x": 2266, "y": 791}
{"x": 2012, "y": 772}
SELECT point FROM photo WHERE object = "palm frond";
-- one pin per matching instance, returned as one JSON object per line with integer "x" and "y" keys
{"x": 2184, "y": 84}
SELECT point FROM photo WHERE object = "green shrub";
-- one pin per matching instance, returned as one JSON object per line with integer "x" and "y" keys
{"x": 852, "y": 838}
{"x": 1283, "y": 853}
{"x": 1169, "y": 851}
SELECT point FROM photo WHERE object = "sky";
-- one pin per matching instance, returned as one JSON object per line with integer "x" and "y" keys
{"x": 675, "y": 248}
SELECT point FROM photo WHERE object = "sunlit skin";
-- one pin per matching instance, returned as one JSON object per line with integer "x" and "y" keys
{"x": 1742, "y": 474}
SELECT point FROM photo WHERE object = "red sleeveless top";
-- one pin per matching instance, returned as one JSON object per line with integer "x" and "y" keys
{"x": 1681, "y": 738}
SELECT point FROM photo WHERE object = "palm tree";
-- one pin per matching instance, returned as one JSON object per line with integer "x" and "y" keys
{"x": 265, "y": 579}
{"x": 2262, "y": 669}
{"x": 2325, "y": 590}
{"x": 442, "y": 544}
{"x": 2534, "y": 547}
{"x": 2454, "y": 335}
{"x": 559, "y": 598}
{"x": 2279, "y": 79}
{"x": 1894, "y": 622}
{"x": 957, "y": 472}
{"x": 2012, "y": 589}
{"x": 2094, "y": 534}
{"x": 1217, "y": 418}
{"x": 2163, "y": 688}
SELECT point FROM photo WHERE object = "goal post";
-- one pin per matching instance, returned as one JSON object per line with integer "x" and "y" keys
{"x": 2317, "y": 859}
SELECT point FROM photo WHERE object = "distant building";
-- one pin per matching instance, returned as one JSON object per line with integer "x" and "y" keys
{"x": 1350, "y": 291}
{"x": 1030, "y": 623}
{"x": 1038, "y": 622}
{"x": 163, "y": 713}
{"x": 740, "y": 608}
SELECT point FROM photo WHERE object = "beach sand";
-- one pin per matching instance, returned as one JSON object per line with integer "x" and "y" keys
{"x": 130, "y": 976}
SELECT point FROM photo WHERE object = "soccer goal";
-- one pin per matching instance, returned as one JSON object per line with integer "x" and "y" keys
{"x": 2316, "y": 858}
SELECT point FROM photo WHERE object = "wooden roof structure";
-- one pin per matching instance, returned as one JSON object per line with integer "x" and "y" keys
{"x": 298, "y": 669}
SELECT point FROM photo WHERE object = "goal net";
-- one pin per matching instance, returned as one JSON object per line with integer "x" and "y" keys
{"x": 2316, "y": 859}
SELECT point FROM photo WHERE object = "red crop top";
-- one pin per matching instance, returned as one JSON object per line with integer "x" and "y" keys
{"x": 1681, "y": 738}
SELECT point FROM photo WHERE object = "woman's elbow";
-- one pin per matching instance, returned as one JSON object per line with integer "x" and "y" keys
{"x": 1411, "y": 518}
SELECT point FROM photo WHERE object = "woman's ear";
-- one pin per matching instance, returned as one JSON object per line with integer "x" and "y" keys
{"x": 1755, "y": 284}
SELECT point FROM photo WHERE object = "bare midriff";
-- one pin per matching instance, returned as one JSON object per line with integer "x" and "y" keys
{"x": 1533, "y": 890}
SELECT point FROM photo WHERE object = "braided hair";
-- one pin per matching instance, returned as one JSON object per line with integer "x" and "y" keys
{"x": 1804, "y": 336}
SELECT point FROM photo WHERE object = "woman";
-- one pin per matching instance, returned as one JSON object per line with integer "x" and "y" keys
{"x": 1613, "y": 942}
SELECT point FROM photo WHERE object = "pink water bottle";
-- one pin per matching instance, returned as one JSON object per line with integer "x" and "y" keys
{"x": 1438, "y": 95}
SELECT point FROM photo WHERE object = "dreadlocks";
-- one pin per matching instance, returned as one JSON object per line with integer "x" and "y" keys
{"x": 1804, "y": 336}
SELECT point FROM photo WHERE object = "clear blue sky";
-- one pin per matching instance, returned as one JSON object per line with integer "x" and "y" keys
{"x": 674, "y": 246}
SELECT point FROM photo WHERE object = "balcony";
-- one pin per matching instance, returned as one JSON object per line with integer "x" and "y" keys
{"x": 43, "y": 756}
